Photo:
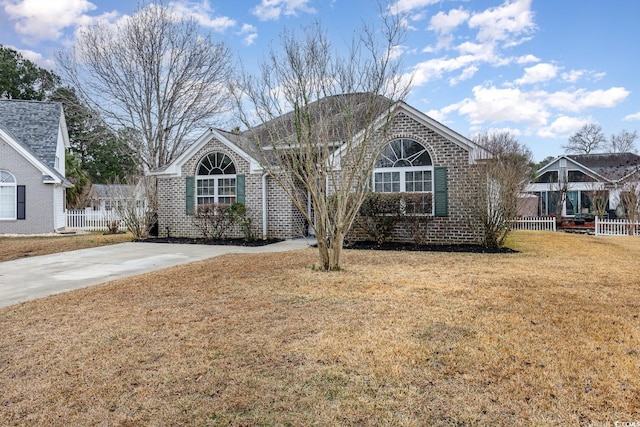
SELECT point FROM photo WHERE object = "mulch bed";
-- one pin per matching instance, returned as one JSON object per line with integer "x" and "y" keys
{"x": 406, "y": 246}
{"x": 363, "y": 245}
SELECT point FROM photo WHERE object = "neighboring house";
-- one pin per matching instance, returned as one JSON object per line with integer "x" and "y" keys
{"x": 419, "y": 155}
{"x": 33, "y": 142}
{"x": 584, "y": 183}
{"x": 107, "y": 197}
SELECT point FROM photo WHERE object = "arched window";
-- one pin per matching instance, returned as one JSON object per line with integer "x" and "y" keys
{"x": 216, "y": 180}
{"x": 403, "y": 165}
{"x": 7, "y": 195}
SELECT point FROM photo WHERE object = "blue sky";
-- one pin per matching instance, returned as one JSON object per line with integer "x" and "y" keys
{"x": 538, "y": 68}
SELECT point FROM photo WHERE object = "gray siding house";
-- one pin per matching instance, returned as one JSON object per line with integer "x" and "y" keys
{"x": 223, "y": 167}
{"x": 33, "y": 142}
{"x": 574, "y": 185}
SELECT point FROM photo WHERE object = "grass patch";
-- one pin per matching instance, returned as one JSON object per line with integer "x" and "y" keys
{"x": 546, "y": 336}
{"x": 19, "y": 247}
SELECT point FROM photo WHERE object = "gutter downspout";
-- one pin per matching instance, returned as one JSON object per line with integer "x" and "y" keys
{"x": 265, "y": 228}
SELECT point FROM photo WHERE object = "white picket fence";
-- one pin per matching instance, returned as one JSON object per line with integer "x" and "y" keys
{"x": 616, "y": 227}
{"x": 538, "y": 223}
{"x": 90, "y": 220}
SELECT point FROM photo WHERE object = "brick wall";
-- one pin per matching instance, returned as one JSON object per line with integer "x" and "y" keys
{"x": 172, "y": 212}
{"x": 454, "y": 228}
{"x": 285, "y": 221}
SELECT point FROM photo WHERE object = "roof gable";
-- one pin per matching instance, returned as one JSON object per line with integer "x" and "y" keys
{"x": 612, "y": 167}
{"x": 229, "y": 139}
{"x": 35, "y": 125}
{"x": 476, "y": 151}
{"x": 249, "y": 143}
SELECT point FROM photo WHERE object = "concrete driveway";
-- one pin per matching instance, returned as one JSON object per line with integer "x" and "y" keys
{"x": 30, "y": 278}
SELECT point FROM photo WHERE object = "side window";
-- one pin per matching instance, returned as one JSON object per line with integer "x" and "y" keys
{"x": 8, "y": 196}
{"x": 403, "y": 165}
{"x": 216, "y": 180}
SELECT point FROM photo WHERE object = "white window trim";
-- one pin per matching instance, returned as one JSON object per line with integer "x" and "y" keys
{"x": 13, "y": 185}
{"x": 403, "y": 176}
{"x": 216, "y": 196}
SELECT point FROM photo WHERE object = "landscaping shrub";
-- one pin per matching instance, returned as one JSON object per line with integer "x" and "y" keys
{"x": 381, "y": 213}
{"x": 239, "y": 215}
{"x": 213, "y": 220}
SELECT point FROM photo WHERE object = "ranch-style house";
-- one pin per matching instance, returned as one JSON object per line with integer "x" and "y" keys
{"x": 417, "y": 155}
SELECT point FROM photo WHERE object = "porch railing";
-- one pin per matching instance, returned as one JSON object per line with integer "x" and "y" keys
{"x": 538, "y": 223}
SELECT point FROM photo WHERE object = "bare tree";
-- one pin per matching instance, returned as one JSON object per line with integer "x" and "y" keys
{"x": 337, "y": 108}
{"x": 587, "y": 140}
{"x": 500, "y": 180}
{"x": 630, "y": 199}
{"x": 624, "y": 142}
{"x": 154, "y": 74}
{"x": 599, "y": 197}
{"x": 133, "y": 200}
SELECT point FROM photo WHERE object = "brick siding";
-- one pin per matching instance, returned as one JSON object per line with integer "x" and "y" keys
{"x": 285, "y": 221}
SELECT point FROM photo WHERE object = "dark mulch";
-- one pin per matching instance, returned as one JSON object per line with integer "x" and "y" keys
{"x": 406, "y": 246}
{"x": 203, "y": 241}
{"x": 365, "y": 245}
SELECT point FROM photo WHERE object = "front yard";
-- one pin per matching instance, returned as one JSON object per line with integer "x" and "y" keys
{"x": 546, "y": 336}
{"x": 19, "y": 247}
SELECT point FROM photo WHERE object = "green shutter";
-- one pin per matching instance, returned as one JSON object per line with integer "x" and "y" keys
{"x": 440, "y": 193}
{"x": 240, "y": 189}
{"x": 189, "y": 195}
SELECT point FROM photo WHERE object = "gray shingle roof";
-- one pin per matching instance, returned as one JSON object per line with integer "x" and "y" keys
{"x": 34, "y": 125}
{"x": 613, "y": 166}
{"x": 342, "y": 115}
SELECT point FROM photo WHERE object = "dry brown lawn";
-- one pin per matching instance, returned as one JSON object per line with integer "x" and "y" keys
{"x": 19, "y": 247}
{"x": 546, "y": 336}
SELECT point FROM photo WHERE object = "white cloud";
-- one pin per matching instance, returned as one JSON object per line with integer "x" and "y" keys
{"x": 466, "y": 74}
{"x": 527, "y": 59}
{"x": 36, "y": 58}
{"x": 575, "y": 75}
{"x": 444, "y": 23}
{"x": 582, "y": 99}
{"x": 631, "y": 117}
{"x": 45, "y": 19}
{"x": 538, "y": 73}
{"x": 202, "y": 12}
{"x": 437, "y": 115}
{"x": 491, "y": 104}
{"x": 404, "y": 6}
{"x": 250, "y": 34}
{"x": 502, "y": 23}
{"x": 432, "y": 69}
{"x": 270, "y": 10}
{"x": 562, "y": 126}
{"x": 572, "y": 76}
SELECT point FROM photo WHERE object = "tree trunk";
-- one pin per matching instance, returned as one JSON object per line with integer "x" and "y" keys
{"x": 335, "y": 252}
{"x": 323, "y": 252}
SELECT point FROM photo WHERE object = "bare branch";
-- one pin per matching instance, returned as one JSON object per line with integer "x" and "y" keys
{"x": 624, "y": 142}
{"x": 587, "y": 140}
{"x": 317, "y": 120}
{"x": 154, "y": 73}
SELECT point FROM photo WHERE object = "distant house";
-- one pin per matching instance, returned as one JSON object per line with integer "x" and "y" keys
{"x": 573, "y": 185}
{"x": 107, "y": 197}
{"x": 417, "y": 155}
{"x": 33, "y": 141}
